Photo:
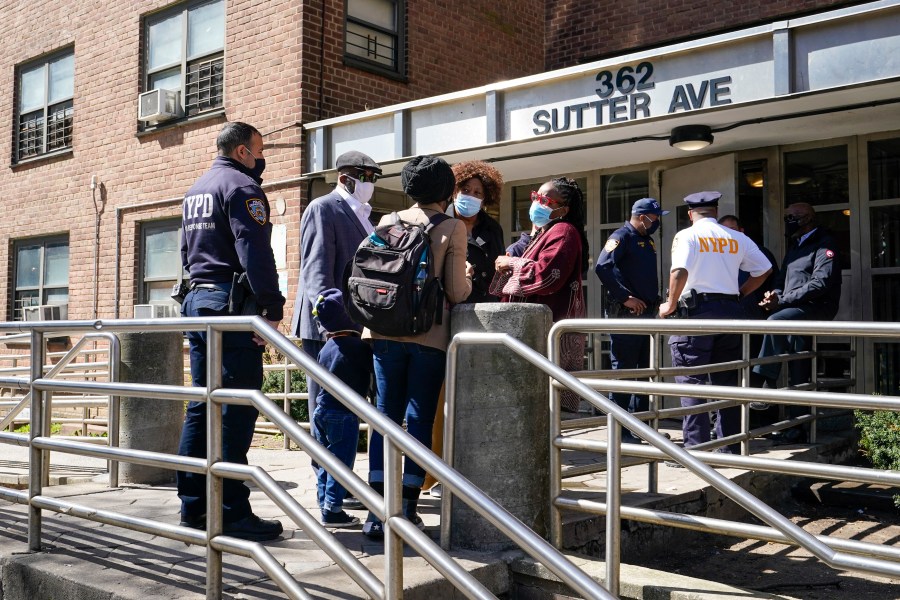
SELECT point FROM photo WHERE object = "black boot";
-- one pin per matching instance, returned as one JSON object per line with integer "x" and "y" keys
{"x": 411, "y": 505}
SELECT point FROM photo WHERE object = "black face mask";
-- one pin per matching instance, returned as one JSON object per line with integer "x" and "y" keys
{"x": 651, "y": 228}
{"x": 257, "y": 169}
{"x": 792, "y": 226}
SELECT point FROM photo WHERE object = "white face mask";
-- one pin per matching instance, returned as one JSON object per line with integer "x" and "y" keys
{"x": 361, "y": 190}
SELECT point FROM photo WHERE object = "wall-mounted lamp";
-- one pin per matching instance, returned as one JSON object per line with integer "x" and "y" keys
{"x": 691, "y": 137}
{"x": 755, "y": 179}
{"x": 799, "y": 174}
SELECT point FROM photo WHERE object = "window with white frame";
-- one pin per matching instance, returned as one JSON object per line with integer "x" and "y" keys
{"x": 44, "y": 109}
{"x": 160, "y": 260}
{"x": 374, "y": 35}
{"x": 184, "y": 52}
{"x": 41, "y": 273}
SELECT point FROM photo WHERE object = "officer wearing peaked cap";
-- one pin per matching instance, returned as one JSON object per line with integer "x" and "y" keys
{"x": 703, "y": 284}
{"x": 627, "y": 268}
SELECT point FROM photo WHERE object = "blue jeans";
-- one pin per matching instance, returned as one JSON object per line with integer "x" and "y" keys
{"x": 242, "y": 368}
{"x": 799, "y": 371}
{"x": 338, "y": 431}
{"x": 408, "y": 377}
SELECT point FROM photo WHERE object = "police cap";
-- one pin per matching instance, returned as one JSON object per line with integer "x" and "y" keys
{"x": 647, "y": 206}
{"x": 701, "y": 199}
{"x": 356, "y": 160}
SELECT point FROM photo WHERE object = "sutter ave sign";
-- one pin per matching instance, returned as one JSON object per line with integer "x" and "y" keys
{"x": 630, "y": 93}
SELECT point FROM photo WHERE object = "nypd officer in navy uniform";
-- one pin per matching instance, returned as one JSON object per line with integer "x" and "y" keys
{"x": 226, "y": 231}
{"x": 627, "y": 269}
{"x": 703, "y": 284}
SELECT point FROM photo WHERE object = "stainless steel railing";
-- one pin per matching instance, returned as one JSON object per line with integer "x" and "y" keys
{"x": 838, "y": 553}
{"x": 388, "y": 508}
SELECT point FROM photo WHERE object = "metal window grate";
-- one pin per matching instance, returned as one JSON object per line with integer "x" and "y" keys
{"x": 31, "y": 135}
{"x": 59, "y": 126}
{"x": 204, "y": 85}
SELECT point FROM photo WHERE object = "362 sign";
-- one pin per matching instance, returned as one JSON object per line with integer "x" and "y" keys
{"x": 626, "y": 80}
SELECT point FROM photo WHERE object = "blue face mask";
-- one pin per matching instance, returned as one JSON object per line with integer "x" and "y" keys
{"x": 467, "y": 206}
{"x": 539, "y": 214}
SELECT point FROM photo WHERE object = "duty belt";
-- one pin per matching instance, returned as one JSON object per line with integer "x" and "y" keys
{"x": 706, "y": 297}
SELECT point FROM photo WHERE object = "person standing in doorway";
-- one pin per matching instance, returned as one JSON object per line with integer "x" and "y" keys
{"x": 627, "y": 268}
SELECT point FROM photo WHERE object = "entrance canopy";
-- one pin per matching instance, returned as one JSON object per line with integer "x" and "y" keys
{"x": 824, "y": 76}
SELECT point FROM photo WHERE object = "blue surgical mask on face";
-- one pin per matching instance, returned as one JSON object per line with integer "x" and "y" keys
{"x": 539, "y": 214}
{"x": 466, "y": 206}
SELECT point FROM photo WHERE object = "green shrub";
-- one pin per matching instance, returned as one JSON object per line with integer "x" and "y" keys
{"x": 880, "y": 440}
{"x": 273, "y": 383}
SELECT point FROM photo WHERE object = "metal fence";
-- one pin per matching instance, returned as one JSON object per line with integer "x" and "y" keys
{"x": 398, "y": 530}
{"x": 835, "y": 552}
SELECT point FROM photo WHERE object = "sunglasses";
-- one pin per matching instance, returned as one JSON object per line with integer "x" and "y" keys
{"x": 365, "y": 177}
{"x": 544, "y": 200}
{"x": 792, "y": 219}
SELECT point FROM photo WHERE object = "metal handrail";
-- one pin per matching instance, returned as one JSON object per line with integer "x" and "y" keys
{"x": 831, "y": 553}
{"x": 388, "y": 508}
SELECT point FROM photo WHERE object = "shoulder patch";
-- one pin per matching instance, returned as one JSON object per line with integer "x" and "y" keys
{"x": 257, "y": 210}
{"x": 829, "y": 253}
{"x": 611, "y": 244}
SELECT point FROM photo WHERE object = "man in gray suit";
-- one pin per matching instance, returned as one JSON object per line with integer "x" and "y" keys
{"x": 331, "y": 229}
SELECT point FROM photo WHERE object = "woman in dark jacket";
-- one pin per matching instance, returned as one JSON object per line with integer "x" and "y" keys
{"x": 478, "y": 186}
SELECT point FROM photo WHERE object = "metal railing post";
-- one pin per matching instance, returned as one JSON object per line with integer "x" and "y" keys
{"x": 213, "y": 455}
{"x": 286, "y": 403}
{"x": 745, "y": 382}
{"x": 393, "y": 508}
{"x": 114, "y": 356}
{"x": 814, "y": 381}
{"x": 653, "y": 405}
{"x": 36, "y": 455}
{"x": 556, "y": 534}
{"x": 613, "y": 504}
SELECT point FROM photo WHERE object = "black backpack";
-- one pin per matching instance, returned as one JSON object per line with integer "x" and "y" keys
{"x": 389, "y": 285}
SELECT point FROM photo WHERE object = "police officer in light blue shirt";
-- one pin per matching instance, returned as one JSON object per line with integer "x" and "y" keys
{"x": 703, "y": 284}
{"x": 627, "y": 269}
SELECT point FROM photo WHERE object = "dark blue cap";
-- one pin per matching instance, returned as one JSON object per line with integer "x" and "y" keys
{"x": 647, "y": 206}
{"x": 329, "y": 309}
{"x": 701, "y": 199}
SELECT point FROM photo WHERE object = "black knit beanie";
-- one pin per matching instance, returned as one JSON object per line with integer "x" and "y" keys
{"x": 428, "y": 179}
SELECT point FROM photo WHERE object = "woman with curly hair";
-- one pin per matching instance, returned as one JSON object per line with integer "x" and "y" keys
{"x": 550, "y": 270}
{"x": 478, "y": 186}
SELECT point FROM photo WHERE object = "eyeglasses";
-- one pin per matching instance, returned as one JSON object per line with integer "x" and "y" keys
{"x": 544, "y": 200}
{"x": 364, "y": 177}
{"x": 791, "y": 219}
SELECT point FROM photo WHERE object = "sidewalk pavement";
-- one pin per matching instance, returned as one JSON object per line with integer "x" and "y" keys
{"x": 87, "y": 556}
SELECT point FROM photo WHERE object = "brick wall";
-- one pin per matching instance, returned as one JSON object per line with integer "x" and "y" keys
{"x": 262, "y": 87}
{"x": 272, "y": 80}
{"x": 578, "y": 32}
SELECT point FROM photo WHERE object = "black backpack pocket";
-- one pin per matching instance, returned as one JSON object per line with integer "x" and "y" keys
{"x": 372, "y": 293}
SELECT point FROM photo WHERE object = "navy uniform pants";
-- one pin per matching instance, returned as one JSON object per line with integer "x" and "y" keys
{"x": 698, "y": 350}
{"x": 242, "y": 368}
{"x": 631, "y": 352}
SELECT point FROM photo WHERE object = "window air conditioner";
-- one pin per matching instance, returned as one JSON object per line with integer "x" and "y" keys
{"x": 45, "y": 312}
{"x": 156, "y": 106}
{"x": 154, "y": 311}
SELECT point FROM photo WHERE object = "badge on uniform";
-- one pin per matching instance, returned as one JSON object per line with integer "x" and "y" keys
{"x": 611, "y": 244}
{"x": 829, "y": 253}
{"x": 257, "y": 210}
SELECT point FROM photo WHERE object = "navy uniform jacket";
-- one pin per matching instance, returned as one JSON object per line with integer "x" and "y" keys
{"x": 811, "y": 274}
{"x": 226, "y": 230}
{"x": 627, "y": 266}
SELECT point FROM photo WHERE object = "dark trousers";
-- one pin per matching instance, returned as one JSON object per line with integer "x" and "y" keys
{"x": 697, "y": 350}
{"x": 241, "y": 369}
{"x": 631, "y": 352}
{"x": 312, "y": 349}
{"x": 799, "y": 371}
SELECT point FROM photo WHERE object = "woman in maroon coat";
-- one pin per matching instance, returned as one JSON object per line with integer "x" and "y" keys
{"x": 550, "y": 270}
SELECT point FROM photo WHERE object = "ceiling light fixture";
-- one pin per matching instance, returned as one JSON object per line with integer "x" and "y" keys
{"x": 691, "y": 137}
{"x": 799, "y": 174}
{"x": 755, "y": 179}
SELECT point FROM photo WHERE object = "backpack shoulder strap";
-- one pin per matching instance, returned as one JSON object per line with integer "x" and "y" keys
{"x": 435, "y": 220}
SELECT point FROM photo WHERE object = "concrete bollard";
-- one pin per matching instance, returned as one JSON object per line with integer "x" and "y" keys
{"x": 149, "y": 423}
{"x": 502, "y": 423}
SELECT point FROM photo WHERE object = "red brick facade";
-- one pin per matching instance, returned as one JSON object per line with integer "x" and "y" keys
{"x": 579, "y": 32}
{"x": 273, "y": 70}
